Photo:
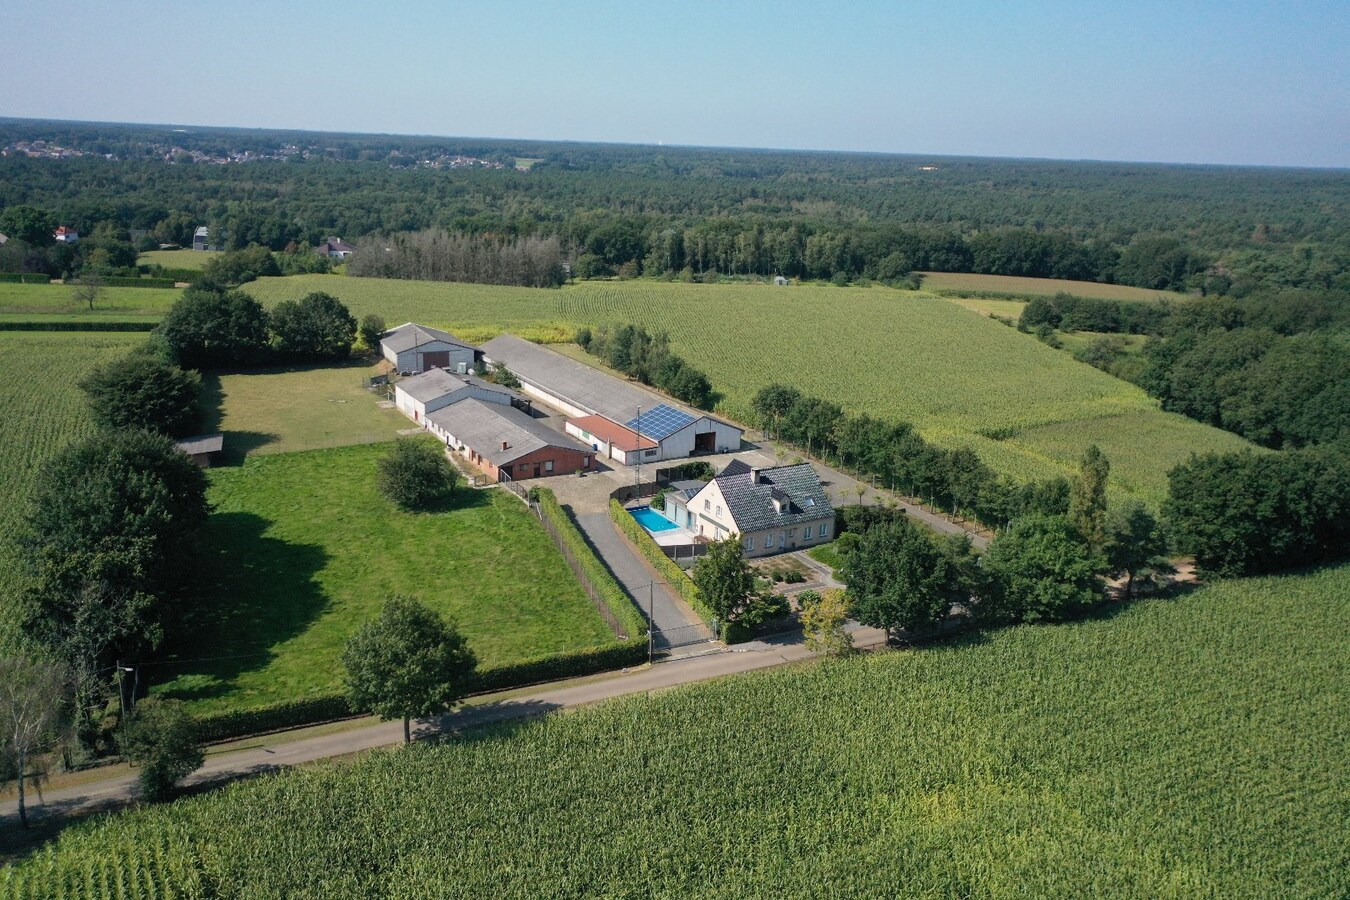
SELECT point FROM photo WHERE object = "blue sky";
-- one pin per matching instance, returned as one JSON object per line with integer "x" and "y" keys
{"x": 1237, "y": 82}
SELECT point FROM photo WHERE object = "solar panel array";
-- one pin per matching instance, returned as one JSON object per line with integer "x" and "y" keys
{"x": 660, "y": 422}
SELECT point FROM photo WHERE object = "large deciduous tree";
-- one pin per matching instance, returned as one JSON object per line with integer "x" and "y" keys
{"x": 317, "y": 327}
{"x": 35, "y": 227}
{"x": 160, "y": 737}
{"x": 142, "y": 390}
{"x": 1040, "y": 569}
{"x": 33, "y": 695}
{"x": 212, "y": 329}
{"x": 899, "y": 578}
{"x": 1135, "y": 544}
{"x": 1087, "y": 498}
{"x": 772, "y": 402}
{"x": 725, "y": 580}
{"x": 823, "y": 617}
{"x": 415, "y": 474}
{"x": 407, "y": 663}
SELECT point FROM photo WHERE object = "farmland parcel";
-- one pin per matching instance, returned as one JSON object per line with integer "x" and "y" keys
{"x": 961, "y": 379}
{"x": 1213, "y": 763}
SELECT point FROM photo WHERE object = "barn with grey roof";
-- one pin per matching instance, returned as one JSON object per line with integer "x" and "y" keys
{"x": 508, "y": 444}
{"x": 413, "y": 349}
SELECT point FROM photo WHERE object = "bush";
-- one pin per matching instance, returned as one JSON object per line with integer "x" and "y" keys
{"x": 416, "y": 475}
{"x": 63, "y": 325}
{"x": 369, "y": 331}
{"x": 161, "y": 738}
{"x": 276, "y": 717}
{"x": 141, "y": 391}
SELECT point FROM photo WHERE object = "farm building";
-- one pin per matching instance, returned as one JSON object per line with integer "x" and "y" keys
{"x": 202, "y": 448}
{"x": 335, "y": 248}
{"x": 506, "y": 443}
{"x": 201, "y": 238}
{"x": 437, "y": 388}
{"x": 773, "y": 510}
{"x": 413, "y": 349}
{"x": 618, "y": 419}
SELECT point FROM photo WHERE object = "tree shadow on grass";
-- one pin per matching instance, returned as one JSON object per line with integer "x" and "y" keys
{"x": 254, "y": 592}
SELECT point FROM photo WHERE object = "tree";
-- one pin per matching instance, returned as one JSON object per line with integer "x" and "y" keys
{"x": 416, "y": 474}
{"x": 142, "y": 390}
{"x": 370, "y": 331}
{"x": 107, "y": 542}
{"x": 239, "y": 266}
{"x": 161, "y": 739}
{"x": 773, "y": 403}
{"x": 823, "y": 616}
{"x": 1135, "y": 544}
{"x": 1039, "y": 569}
{"x": 900, "y": 579}
{"x": 89, "y": 290}
{"x": 33, "y": 226}
{"x": 212, "y": 328}
{"x": 408, "y": 662}
{"x": 1087, "y": 498}
{"x": 318, "y": 327}
{"x": 32, "y": 697}
{"x": 725, "y": 580}
{"x": 503, "y": 376}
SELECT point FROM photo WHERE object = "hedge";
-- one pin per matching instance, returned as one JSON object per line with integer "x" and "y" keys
{"x": 25, "y": 278}
{"x": 674, "y": 575}
{"x": 615, "y": 599}
{"x": 329, "y": 707}
{"x": 125, "y": 281}
{"x": 66, "y": 325}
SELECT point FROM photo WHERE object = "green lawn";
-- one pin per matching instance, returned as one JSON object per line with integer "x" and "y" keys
{"x": 177, "y": 259}
{"x": 959, "y": 378}
{"x": 1038, "y": 287}
{"x": 302, "y": 408}
{"x": 41, "y": 411}
{"x": 827, "y": 554}
{"x": 40, "y": 301}
{"x": 301, "y": 549}
{"x": 1173, "y": 748}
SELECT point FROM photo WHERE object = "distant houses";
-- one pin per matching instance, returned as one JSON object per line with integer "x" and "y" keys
{"x": 201, "y": 238}
{"x": 66, "y": 235}
{"x": 335, "y": 248}
{"x": 618, "y": 419}
{"x": 413, "y": 349}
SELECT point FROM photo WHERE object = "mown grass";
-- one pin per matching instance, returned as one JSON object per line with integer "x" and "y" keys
{"x": 1189, "y": 747}
{"x": 37, "y": 301}
{"x": 298, "y": 408}
{"x": 892, "y": 354}
{"x": 1038, "y": 287}
{"x": 41, "y": 411}
{"x": 177, "y": 259}
{"x": 301, "y": 549}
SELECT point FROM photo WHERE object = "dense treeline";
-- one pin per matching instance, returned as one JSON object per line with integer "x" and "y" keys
{"x": 661, "y": 209}
{"x": 431, "y": 255}
{"x": 1271, "y": 367}
{"x": 646, "y": 357}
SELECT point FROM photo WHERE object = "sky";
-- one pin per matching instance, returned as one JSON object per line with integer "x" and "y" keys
{"x": 1193, "y": 82}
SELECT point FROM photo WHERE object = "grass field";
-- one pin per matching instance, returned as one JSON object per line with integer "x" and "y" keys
{"x": 1191, "y": 747}
{"x": 303, "y": 549}
{"x": 1038, "y": 287}
{"x": 894, "y": 354}
{"x": 177, "y": 259}
{"x": 41, "y": 411}
{"x": 35, "y": 301}
{"x": 303, "y": 408}
{"x": 997, "y": 309}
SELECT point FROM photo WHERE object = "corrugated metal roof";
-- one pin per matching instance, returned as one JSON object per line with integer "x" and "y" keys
{"x": 484, "y": 426}
{"x": 435, "y": 383}
{"x": 410, "y": 335}
{"x": 202, "y": 443}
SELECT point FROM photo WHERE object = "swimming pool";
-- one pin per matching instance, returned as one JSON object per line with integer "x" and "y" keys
{"x": 651, "y": 520}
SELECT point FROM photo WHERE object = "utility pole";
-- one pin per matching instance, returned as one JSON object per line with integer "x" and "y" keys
{"x": 637, "y": 429}
{"x": 651, "y": 622}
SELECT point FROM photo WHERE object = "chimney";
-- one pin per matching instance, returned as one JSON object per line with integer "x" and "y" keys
{"x": 506, "y": 445}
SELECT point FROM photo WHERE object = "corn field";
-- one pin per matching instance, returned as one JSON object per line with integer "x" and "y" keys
{"x": 1187, "y": 747}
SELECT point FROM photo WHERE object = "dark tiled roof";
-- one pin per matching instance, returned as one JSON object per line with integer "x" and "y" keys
{"x": 410, "y": 335}
{"x": 750, "y": 497}
{"x": 735, "y": 467}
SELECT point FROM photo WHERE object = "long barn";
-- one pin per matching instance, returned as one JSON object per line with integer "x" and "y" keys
{"x": 616, "y": 418}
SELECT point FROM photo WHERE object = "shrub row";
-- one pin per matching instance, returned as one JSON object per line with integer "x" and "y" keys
{"x": 25, "y": 277}
{"x": 315, "y": 710}
{"x": 619, "y": 604}
{"x": 64, "y": 325}
{"x": 674, "y": 575}
{"x": 130, "y": 281}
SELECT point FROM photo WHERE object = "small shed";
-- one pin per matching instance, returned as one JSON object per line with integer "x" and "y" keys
{"x": 202, "y": 448}
{"x": 780, "y": 281}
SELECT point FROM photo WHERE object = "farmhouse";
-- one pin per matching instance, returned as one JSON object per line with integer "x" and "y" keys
{"x": 618, "y": 419}
{"x": 66, "y": 235}
{"x": 202, "y": 448}
{"x": 506, "y": 443}
{"x": 335, "y": 248}
{"x": 437, "y": 388}
{"x": 413, "y": 349}
{"x": 773, "y": 510}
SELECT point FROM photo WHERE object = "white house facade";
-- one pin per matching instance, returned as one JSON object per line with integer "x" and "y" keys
{"x": 773, "y": 510}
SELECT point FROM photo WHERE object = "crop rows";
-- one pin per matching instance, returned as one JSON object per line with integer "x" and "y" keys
{"x": 1184, "y": 747}
{"x": 41, "y": 410}
{"x": 963, "y": 380}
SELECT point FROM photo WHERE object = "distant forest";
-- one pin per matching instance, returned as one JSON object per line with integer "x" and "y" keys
{"x": 699, "y": 213}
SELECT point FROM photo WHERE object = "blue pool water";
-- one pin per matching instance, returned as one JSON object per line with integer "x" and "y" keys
{"x": 650, "y": 519}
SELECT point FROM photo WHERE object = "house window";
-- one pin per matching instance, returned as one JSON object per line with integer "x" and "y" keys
{"x": 548, "y": 465}
{"x": 707, "y": 505}
{"x": 750, "y": 543}
{"x": 792, "y": 533}
{"x": 719, "y": 512}
{"x": 649, "y": 453}
{"x": 768, "y": 542}
{"x": 823, "y": 529}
